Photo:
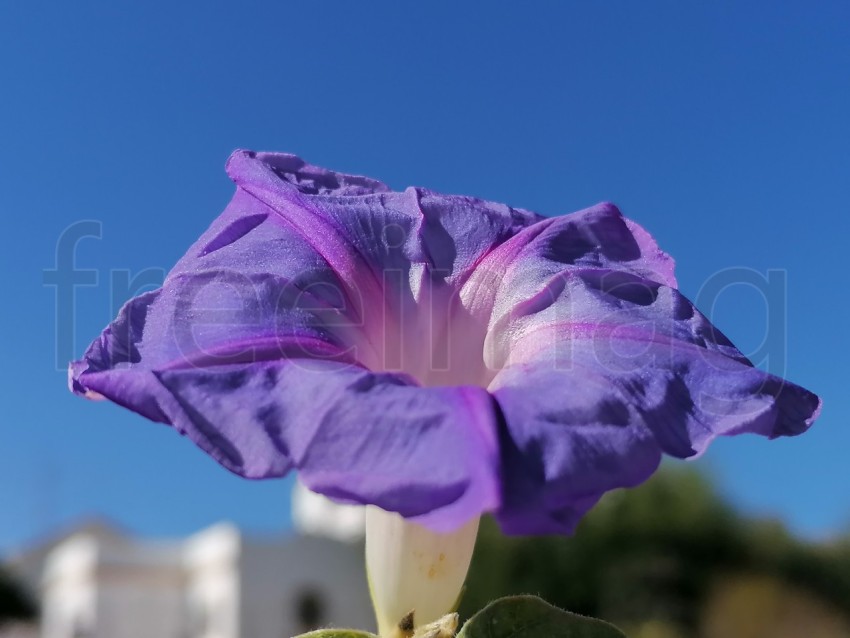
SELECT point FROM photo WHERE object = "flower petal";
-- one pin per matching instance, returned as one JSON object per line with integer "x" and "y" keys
{"x": 365, "y": 225}
{"x": 602, "y": 370}
{"x": 356, "y": 436}
{"x": 427, "y": 453}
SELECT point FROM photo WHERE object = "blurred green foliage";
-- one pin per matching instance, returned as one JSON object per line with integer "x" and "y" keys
{"x": 650, "y": 559}
{"x": 15, "y": 603}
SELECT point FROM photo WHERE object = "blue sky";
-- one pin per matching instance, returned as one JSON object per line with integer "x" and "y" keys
{"x": 721, "y": 128}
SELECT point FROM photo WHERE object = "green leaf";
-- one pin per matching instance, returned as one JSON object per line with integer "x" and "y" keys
{"x": 337, "y": 633}
{"x": 531, "y": 617}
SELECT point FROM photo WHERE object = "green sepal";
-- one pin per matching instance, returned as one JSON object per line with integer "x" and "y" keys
{"x": 531, "y": 617}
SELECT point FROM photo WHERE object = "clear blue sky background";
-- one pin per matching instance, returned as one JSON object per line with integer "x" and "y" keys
{"x": 723, "y": 128}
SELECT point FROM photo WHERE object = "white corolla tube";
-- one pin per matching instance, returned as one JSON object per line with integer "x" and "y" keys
{"x": 413, "y": 569}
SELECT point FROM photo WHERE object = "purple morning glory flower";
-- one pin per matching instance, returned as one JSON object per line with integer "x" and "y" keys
{"x": 437, "y": 356}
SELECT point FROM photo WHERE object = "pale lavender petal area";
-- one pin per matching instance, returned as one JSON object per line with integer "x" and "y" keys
{"x": 438, "y": 356}
{"x": 601, "y": 370}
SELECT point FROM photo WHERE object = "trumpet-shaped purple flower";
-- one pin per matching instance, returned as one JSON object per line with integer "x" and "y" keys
{"x": 437, "y": 356}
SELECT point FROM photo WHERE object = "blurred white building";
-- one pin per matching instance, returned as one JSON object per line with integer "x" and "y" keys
{"x": 97, "y": 582}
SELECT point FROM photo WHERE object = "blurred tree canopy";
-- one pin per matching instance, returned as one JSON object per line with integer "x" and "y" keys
{"x": 15, "y": 603}
{"x": 650, "y": 559}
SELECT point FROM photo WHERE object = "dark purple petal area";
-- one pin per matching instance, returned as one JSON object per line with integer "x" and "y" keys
{"x": 438, "y": 356}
